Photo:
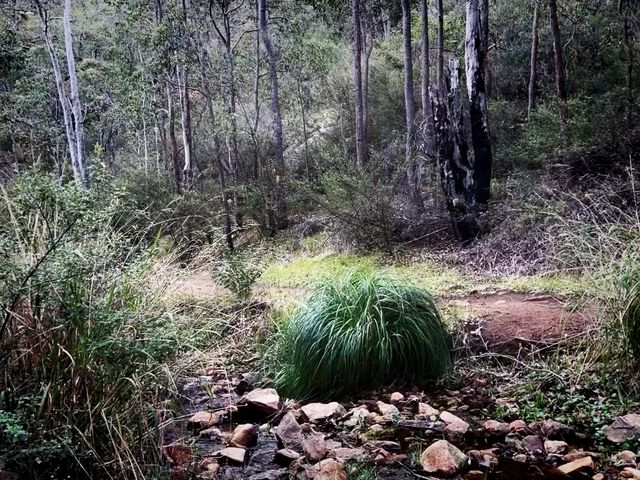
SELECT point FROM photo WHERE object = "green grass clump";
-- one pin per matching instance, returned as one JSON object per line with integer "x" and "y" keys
{"x": 359, "y": 331}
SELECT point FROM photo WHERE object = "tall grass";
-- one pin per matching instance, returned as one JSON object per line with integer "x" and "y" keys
{"x": 84, "y": 336}
{"x": 361, "y": 330}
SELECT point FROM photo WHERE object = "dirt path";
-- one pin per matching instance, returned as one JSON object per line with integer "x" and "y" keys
{"x": 501, "y": 321}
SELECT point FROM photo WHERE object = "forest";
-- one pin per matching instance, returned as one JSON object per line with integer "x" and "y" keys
{"x": 319, "y": 240}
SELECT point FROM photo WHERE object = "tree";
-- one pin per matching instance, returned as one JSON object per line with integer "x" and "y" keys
{"x": 69, "y": 100}
{"x": 276, "y": 118}
{"x": 475, "y": 55}
{"x": 361, "y": 139}
{"x": 559, "y": 65}
{"x": 440, "y": 71}
{"x": 413, "y": 167}
{"x": 533, "y": 63}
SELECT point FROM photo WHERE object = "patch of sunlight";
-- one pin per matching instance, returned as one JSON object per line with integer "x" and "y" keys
{"x": 559, "y": 284}
{"x": 435, "y": 278}
{"x": 304, "y": 271}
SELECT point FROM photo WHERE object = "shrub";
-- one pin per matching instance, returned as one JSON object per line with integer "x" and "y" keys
{"x": 361, "y": 331}
{"x": 235, "y": 273}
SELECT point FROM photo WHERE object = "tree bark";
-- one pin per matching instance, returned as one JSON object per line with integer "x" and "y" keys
{"x": 280, "y": 168}
{"x": 424, "y": 59}
{"x": 413, "y": 167}
{"x": 173, "y": 150}
{"x": 475, "y": 61}
{"x": 558, "y": 57}
{"x": 440, "y": 71}
{"x": 456, "y": 172}
{"x": 533, "y": 71}
{"x": 361, "y": 141}
{"x": 70, "y": 105}
{"x": 625, "y": 13}
{"x": 185, "y": 122}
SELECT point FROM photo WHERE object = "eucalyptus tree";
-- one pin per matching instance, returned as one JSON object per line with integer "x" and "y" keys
{"x": 559, "y": 66}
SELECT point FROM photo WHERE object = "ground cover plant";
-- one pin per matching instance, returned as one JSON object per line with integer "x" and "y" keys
{"x": 359, "y": 331}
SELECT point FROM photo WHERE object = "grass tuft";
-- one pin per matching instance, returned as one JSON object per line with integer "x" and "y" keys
{"x": 359, "y": 331}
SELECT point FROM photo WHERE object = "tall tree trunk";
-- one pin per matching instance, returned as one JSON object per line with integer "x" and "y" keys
{"x": 533, "y": 64}
{"x": 361, "y": 141}
{"x": 625, "y": 13}
{"x": 365, "y": 88}
{"x": 424, "y": 59}
{"x": 185, "y": 122}
{"x": 558, "y": 57}
{"x": 173, "y": 149}
{"x": 74, "y": 97}
{"x": 256, "y": 98}
{"x": 280, "y": 168}
{"x": 440, "y": 71}
{"x": 456, "y": 171}
{"x": 475, "y": 54}
{"x": 413, "y": 167}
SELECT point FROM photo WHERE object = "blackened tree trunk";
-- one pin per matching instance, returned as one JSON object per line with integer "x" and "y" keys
{"x": 424, "y": 59}
{"x": 413, "y": 167}
{"x": 475, "y": 61}
{"x": 533, "y": 63}
{"x": 361, "y": 141}
{"x": 440, "y": 71}
{"x": 456, "y": 171}
{"x": 625, "y": 11}
{"x": 558, "y": 58}
{"x": 280, "y": 169}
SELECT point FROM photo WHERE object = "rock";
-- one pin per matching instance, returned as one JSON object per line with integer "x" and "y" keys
{"x": 387, "y": 445}
{"x": 209, "y": 464}
{"x": 485, "y": 459}
{"x": 319, "y": 412}
{"x": 204, "y": 419}
{"x": 624, "y": 428}
{"x": 427, "y": 410}
{"x": 442, "y": 458}
{"x": 213, "y": 432}
{"x": 474, "y": 475}
{"x": 533, "y": 445}
{"x": 384, "y": 457}
{"x": 345, "y": 454}
{"x": 377, "y": 429}
{"x": 328, "y": 469}
{"x": 265, "y": 400}
{"x": 359, "y": 415}
{"x": 177, "y": 454}
{"x": 625, "y": 458}
{"x": 233, "y": 454}
{"x": 448, "y": 418}
{"x": 456, "y": 430}
{"x": 514, "y": 443}
{"x": 598, "y": 476}
{"x": 388, "y": 411}
{"x": 332, "y": 444}
{"x": 518, "y": 426}
{"x": 289, "y": 433}
{"x": 629, "y": 472}
{"x": 520, "y": 458}
{"x": 556, "y": 447}
{"x": 285, "y": 456}
{"x": 567, "y": 468}
{"x": 396, "y": 397}
{"x": 494, "y": 428}
{"x": 314, "y": 447}
{"x": 245, "y": 435}
{"x": 555, "y": 430}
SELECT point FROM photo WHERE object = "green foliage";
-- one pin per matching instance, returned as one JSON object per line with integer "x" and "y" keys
{"x": 360, "y": 331}
{"x": 236, "y": 273}
{"x": 86, "y": 335}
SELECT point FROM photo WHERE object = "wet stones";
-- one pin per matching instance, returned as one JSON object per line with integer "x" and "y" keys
{"x": 203, "y": 419}
{"x": 245, "y": 435}
{"x": 263, "y": 400}
{"x": 319, "y": 412}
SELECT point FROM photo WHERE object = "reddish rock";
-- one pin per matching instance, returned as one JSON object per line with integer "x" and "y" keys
{"x": 496, "y": 429}
{"x": 556, "y": 447}
{"x": 318, "y": 412}
{"x": 245, "y": 435}
{"x": 328, "y": 469}
{"x": 204, "y": 419}
{"x": 265, "y": 400}
{"x": 177, "y": 454}
{"x": 518, "y": 426}
{"x": 396, "y": 397}
{"x": 289, "y": 433}
{"x": 233, "y": 454}
{"x": 314, "y": 447}
{"x": 442, "y": 458}
{"x": 285, "y": 456}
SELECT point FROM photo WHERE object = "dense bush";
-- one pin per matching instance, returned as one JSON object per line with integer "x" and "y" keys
{"x": 361, "y": 331}
{"x": 83, "y": 337}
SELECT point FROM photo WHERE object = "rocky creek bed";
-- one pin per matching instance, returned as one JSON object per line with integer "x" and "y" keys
{"x": 233, "y": 429}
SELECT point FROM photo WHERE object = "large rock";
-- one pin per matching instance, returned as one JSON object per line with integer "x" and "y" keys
{"x": 556, "y": 431}
{"x": 204, "y": 419}
{"x": 442, "y": 458}
{"x": 289, "y": 433}
{"x": 388, "y": 411}
{"x": 556, "y": 447}
{"x": 265, "y": 400}
{"x": 345, "y": 454}
{"x": 319, "y": 412}
{"x": 285, "y": 456}
{"x": 245, "y": 435}
{"x": 328, "y": 469}
{"x": 624, "y": 428}
{"x": 533, "y": 445}
{"x": 494, "y": 428}
{"x": 426, "y": 410}
{"x": 233, "y": 454}
{"x": 314, "y": 447}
